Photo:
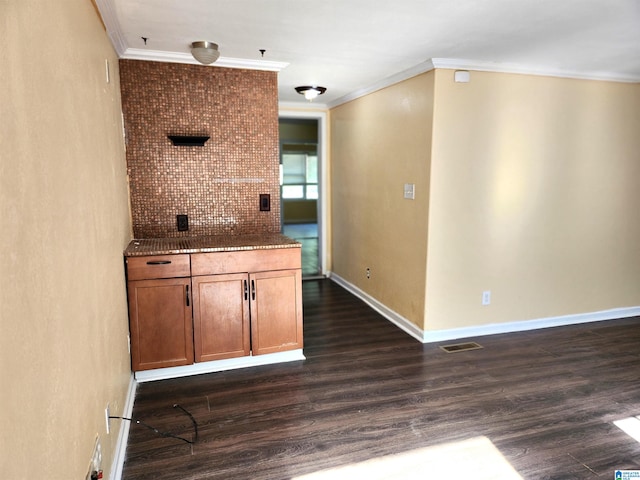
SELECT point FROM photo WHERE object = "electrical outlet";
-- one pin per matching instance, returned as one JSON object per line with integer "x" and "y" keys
{"x": 368, "y": 272}
{"x": 486, "y": 297}
{"x": 265, "y": 202}
{"x": 182, "y": 222}
{"x": 107, "y": 419}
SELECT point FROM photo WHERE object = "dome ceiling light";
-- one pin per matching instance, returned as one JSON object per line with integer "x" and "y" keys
{"x": 310, "y": 92}
{"x": 205, "y": 52}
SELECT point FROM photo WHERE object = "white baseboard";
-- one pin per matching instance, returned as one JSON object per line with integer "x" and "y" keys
{"x": 525, "y": 325}
{"x": 481, "y": 330}
{"x": 121, "y": 446}
{"x": 395, "y": 318}
{"x": 219, "y": 365}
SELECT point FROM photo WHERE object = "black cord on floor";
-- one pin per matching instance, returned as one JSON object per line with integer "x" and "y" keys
{"x": 166, "y": 434}
{"x": 193, "y": 420}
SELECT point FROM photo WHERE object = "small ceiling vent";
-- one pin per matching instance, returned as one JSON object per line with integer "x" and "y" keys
{"x": 188, "y": 140}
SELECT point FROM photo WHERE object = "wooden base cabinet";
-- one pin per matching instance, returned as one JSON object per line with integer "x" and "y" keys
{"x": 159, "y": 312}
{"x": 221, "y": 317}
{"x": 276, "y": 311}
{"x": 246, "y": 302}
{"x": 243, "y": 303}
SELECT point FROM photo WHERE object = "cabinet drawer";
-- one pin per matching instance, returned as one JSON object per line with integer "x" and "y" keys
{"x": 158, "y": 266}
{"x": 245, "y": 261}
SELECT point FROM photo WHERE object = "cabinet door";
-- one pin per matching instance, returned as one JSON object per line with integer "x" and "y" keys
{"x": 276, "y": 311}
{"x": 160, "y": 323}
{"x": 221, "y": 316}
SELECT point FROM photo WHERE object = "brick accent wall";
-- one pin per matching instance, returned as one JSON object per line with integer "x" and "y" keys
{"x": 219, "y": 185}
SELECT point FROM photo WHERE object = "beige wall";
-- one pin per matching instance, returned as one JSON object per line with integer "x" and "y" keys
{"x": 534, "y": 196}
{"x": 64, "y": 204}
{"x": 530, "y": 190}
{"x": 379, "y": 143}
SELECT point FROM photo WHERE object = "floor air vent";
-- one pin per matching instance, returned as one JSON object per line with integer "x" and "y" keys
{"x": 460, "y": 347}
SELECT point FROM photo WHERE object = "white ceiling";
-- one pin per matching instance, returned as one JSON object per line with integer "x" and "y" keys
{"x": 355, "y": 46}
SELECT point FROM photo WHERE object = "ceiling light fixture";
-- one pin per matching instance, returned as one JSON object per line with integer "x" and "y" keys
{"x": 310, "y": 92}
{"x": 205, "y": 52}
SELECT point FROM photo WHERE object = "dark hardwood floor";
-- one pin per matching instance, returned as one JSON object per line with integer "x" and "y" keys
{"x": 544, "y": 400}
{"x": 307, "y": 235}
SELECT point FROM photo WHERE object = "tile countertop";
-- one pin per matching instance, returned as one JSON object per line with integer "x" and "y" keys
{"x": 213, "y": 243}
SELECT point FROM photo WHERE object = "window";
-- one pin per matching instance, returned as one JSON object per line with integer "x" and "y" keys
{"x": 299, "y": 176}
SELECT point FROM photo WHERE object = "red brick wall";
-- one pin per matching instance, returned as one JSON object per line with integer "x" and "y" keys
{"x": 218, "y": 185}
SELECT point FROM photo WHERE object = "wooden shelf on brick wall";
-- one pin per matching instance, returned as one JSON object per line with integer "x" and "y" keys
{"x": 188, "y": 140}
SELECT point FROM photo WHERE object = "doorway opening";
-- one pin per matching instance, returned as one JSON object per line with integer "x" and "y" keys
{"x": 301, "y": 189}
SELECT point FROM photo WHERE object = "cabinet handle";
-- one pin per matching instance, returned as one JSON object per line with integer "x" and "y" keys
{"x": 253, "y": 290}
{"x": 159, "y": 262}
{"x": 187, "y": 295}
{"x": 246, "y": 290}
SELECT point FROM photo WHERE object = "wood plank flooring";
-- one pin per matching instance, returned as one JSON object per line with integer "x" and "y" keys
{"x": 307, "y": 235}
{"x": 546, "y": 400}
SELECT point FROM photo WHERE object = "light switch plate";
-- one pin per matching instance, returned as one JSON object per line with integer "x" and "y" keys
{"x": 410, "y": 191}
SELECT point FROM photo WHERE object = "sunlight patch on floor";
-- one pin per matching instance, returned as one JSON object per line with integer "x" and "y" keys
{"x": 630, "y": 426}
{"x": 475, "y": 458}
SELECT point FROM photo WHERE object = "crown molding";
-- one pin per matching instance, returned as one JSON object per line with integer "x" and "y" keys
{"x": 110, "y": 20}
{"x": 480, "y": 66}
{"x": 303, "y": 106}
{"x": 384, "y": 83}
{"x": 174, "y": 57}
{"x": 114, "y": 31}
{"x": 503, "y": 67}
